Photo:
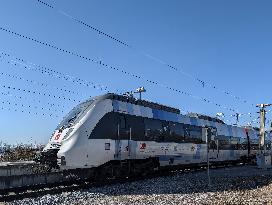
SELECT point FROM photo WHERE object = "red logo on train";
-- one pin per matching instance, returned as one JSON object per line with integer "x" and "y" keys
{"x": 57, "y": 136}
{"x": 143, "y": 146}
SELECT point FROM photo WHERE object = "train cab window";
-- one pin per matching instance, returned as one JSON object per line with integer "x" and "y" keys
{"x": 106, "y": 128}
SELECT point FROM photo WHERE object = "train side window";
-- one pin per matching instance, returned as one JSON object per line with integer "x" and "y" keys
{"x": 235, "y": 143}
{"x": 195, "y": 134}
{"x": 254, "y": 144}
{"x": 124, "y": 131}
{"x": 176, "y": 132}
{"x": 223, "y": 142}
{"x": 153, "y": 130}
{"x": 137, "y": 126}
{"x": 165, "y": 134}
{"x": 243, "y": 144}
{"x": 122, "y": 122}
{"x": 186, "y": 131}
{"x": 268, "y": 146}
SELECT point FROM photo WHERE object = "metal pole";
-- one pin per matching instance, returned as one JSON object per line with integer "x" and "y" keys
{"x": 262, "y": 127}
{"x": 129, "y": 142}
{"x": 118, "y": 141}
{"x": 237, "y": 118}
{"x": 129, "y": 162}
{"x": 262, "y": 146}
{"x": 140, "y": 91}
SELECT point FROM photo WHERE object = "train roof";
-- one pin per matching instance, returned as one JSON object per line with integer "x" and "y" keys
{"x": 132, "y": 100}
{"x": 153, "y": 105}
{"x": 205, "y": 117}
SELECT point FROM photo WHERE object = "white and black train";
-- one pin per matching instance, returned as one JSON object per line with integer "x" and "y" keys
{"x": 115, "y": 130}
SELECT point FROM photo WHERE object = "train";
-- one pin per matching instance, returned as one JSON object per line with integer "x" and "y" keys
{"x": 118, "y": 134}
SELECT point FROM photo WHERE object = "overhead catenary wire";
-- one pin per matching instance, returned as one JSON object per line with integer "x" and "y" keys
{"x": 53, "y": 107}
{"x": 201, "y": 82}
{"x": 51, "y": 72}
{"x": 29, "y": 106}
{"x": 36, "y": 83}
{"x": 22, "y": 108}
{"x": 28, "y": 91}
{"x": 103, "y": 64}
{"x": 253, "y": 121}
{"x": 18, "y": 97}
{"x": 85, "y": 24}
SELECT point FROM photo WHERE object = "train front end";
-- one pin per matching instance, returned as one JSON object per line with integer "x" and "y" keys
{"x": 64, "y": 136}
{"x": 70, "y": 146}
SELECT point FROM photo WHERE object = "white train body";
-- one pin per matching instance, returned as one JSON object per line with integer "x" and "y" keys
{"x": 112, "y": 127}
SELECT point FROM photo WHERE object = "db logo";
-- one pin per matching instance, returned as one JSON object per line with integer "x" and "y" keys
{"x": 143, "y": 146}
{"x": 57, "y": 136}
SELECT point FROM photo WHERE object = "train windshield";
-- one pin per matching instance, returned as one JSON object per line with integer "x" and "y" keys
{"x": 75, "y": 114}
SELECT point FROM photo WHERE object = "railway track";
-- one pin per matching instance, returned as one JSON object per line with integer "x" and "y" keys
{"x": 40, "y": 190}
{"x": 69, "y": 186}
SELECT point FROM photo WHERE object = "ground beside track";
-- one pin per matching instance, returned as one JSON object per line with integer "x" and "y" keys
{"x": 233, "y": 185}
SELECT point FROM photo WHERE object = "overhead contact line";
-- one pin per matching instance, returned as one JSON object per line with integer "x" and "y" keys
{"x": 199, "y": 81}
{"x": 37, "y": 93}
{"x": 99, "y": 62}
{"x": 20, "y": 108}
{"x": 8, "y": 94}
{"x": 52, "y": 73}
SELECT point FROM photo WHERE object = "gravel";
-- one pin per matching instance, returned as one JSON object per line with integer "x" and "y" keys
{"x": 236, "y": 185}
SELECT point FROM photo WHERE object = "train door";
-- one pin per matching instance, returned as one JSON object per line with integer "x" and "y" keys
{"x": 213, "y": 144}
{"x": 123, "y": 136}
{"x": 248, "y": 143}
{"x": 216, "y": 142}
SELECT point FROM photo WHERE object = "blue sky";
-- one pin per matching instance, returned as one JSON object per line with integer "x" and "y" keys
{"x": 227, "y": 44}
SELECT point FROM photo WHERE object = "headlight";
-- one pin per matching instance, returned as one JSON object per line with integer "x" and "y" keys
{"x": 62, "y": 161}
